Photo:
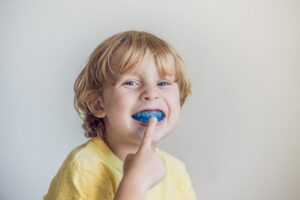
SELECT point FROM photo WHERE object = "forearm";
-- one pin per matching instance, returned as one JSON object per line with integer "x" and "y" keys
{"x": 128, "y": 190}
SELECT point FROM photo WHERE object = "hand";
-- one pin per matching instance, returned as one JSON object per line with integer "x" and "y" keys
{"x": 145, "y": 169}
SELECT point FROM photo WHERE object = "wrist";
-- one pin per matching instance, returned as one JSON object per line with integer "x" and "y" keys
{"x": 130, "y": 189}
{"x": 134, "y": 184}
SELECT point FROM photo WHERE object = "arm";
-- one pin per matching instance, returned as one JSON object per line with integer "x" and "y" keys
{"x": 142, "y": 170}
{"x": 127, "y": 191}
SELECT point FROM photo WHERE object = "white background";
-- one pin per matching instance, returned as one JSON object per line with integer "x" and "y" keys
{"x": 239, "y": 133}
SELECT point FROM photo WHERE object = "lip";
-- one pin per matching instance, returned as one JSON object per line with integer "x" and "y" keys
{"x": 151, "y": 109}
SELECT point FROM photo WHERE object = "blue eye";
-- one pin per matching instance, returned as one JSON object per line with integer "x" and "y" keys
{"x": 164, "y": 83}
{"x": 131, "y": 83}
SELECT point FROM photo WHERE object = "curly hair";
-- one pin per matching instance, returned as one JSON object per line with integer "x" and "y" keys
{"x": 116, "y": 55}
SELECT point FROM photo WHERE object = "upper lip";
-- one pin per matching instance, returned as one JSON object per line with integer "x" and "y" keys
{"x": 151, "y": 109}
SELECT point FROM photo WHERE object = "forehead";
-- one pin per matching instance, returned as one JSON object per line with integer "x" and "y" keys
{"x": 151, "y": 64}
{"x": 132, "y": 62}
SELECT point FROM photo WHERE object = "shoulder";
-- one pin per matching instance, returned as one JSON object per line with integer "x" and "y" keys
{"x": 83, "y": 175}
{"x": 78, "y": 158}
{"x": 176, "y": 168}
{"x": 177, "y": 180}
{"x": 83, "y": 161}
{"x": 171, "y": 161}
{"x": 88, "y": 164}
{"x": 89, "y": 157}
{"x": 82, "y": 154}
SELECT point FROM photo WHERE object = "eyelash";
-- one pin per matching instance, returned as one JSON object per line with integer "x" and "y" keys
{"x": 167, "y": 83}
{"x": 128, "y": 83}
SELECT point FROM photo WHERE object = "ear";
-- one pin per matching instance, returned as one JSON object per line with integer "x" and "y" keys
{"x": 96, "y": 107}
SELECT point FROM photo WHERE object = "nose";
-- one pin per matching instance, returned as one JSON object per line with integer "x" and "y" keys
{"x": 149, "y": 94}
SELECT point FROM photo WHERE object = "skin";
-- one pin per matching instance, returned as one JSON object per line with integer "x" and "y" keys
{"x": 142, "y": 170}
{"x": 143, "y": 87}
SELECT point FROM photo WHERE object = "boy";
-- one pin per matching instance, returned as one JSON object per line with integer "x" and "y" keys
{"x": 129, "y": 96}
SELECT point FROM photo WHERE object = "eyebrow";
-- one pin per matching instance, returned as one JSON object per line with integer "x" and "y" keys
{"x": 136, "y": 75}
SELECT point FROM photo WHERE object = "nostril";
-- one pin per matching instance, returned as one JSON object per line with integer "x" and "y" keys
{"x": 149, "y": 95}
{"x": 150, "y": 98}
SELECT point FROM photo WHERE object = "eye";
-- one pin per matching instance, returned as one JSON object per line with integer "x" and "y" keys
{"x": 164, "y": 83}
{"x": 131, "y": 84}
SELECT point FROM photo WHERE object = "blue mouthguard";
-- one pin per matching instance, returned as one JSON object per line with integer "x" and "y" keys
{"x": 146, "y": 115}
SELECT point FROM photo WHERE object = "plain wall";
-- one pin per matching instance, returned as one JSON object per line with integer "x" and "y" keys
{"x": 239, "y": 133}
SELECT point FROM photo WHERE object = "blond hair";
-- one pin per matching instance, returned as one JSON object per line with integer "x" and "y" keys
{"x": 116, "y": 55}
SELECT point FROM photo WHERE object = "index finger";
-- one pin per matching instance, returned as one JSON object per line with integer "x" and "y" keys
{"x": 147, "y": 139}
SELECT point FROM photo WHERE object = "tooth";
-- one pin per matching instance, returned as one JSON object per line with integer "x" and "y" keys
{"x": 158, "y": 114}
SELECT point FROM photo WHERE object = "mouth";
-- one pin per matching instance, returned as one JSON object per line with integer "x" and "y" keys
{"x": 145, "y": 115}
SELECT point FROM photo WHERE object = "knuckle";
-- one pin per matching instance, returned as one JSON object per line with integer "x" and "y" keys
{"x": 128, "y": 157}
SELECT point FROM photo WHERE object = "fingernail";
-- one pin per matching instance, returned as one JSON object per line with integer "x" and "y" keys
{"x": 153, "y": 119}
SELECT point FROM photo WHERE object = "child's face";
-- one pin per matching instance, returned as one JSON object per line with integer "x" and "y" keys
{"x": 142, "y": 88}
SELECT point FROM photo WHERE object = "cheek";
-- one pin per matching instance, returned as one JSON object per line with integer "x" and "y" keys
{"x": 122, "y": 104}
{"x": 174, "y": 103}
{"x": 176, "y": 109}
{"x": 174, "y": 97}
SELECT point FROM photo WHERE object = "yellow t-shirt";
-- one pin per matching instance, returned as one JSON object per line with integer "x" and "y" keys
{"x": 93, "y": 172}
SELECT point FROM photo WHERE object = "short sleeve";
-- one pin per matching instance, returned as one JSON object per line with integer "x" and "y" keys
{"x": 186, "y": 185}
{"x": 76, "y": 181}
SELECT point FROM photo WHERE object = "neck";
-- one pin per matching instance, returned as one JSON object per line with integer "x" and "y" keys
{"x": 119, "y": 148}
